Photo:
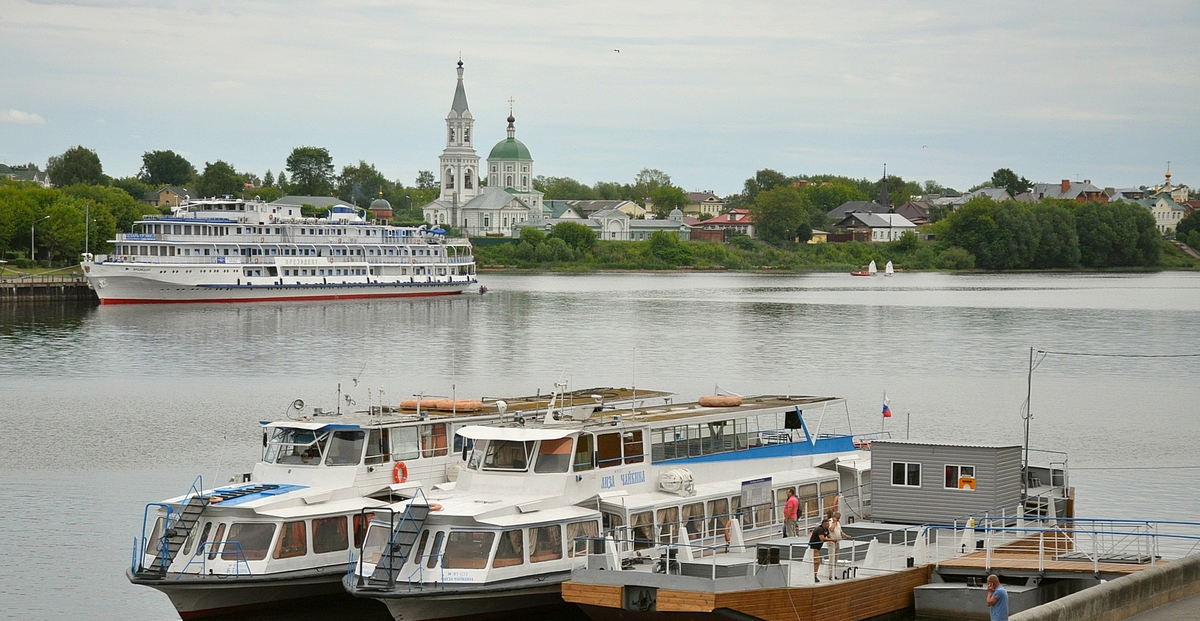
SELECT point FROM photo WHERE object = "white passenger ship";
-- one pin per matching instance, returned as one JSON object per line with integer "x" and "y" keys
{"x": 283, "y": 531}
{"x": 711, "y": 473}
{"x": 233, "y": 250}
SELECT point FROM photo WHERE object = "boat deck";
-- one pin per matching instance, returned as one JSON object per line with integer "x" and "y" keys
{"x": 1021, "y": 558}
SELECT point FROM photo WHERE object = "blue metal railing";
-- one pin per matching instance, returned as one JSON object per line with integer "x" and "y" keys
{"x": 206, "y": 549}
{"x": 169, "y": 521}
{"x": 393, "y": 531}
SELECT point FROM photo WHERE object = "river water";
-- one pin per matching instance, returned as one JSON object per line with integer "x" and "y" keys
{"x": 104, "y": 409}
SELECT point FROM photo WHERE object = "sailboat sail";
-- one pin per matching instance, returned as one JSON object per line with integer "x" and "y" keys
{"x": 871, "y": 269}
{"x": 887, "y": 269}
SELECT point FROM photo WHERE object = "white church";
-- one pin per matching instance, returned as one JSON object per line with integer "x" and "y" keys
{"x": 501, "y": 207}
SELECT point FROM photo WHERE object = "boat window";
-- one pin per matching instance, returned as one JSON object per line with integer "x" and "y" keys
{"x": 643, "y": 529}
{"x": 608, "y": 450}
{"x": 553, "y": 456}
{"x": 718, "y": 515}
{"x": 254, "y": 539}
{"x": 906, "y": 474}
{"x": 576, "y": 531}
{"x": 468, "y": 549}
{"x": 361, "y": 522}
{"x": 375, "y": 543}
{"x": 612, "y": 521}
{"x": 829, "y": 492}
{"x": 404, "y": 443}
{"x": 635, "y": 453}
{"x": 433, "y": 440}
{"x": 191, "y": 538}
{"x": 420, "y": 549}
{"x": 808, "y": 500}
{"x": 781, "y": 499}
{"x": 507, "y": 455}
{"x": 764, "y": 514}
{"x": 216, "y": 542}
{"x": 435, "y": 549}
{"x": 377, "y": 446}
{"x": 330, "y": 535}
{"x": 695, "y": 439}
{"x": 153, "y": 544}
{"x": 583, "y": 453}
{"x": 477, "y": 454}
{"x": 509, "y": 552}
{"x": 297, "y": 447}
{"x": 668, "y": 524}
{"x": 735, "y": 508}
{"x": 203, "y": 538}
{"x": 345, "y": 449}
{"x": 693, "y": 519}
{"x": 960, "y": 477}
{"x": 293, "y": 541}
{"x": 545, "y": 543}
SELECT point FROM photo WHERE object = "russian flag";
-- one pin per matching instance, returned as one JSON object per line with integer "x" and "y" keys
{"x": 887, "y": 411}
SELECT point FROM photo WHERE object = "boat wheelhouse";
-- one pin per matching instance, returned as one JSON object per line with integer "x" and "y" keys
{"x": 234, "y": 250}
{"x": 283, "y": 530}
{"x": 510, "y": 530}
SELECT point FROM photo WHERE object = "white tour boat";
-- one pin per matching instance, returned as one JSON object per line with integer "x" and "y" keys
{"x": 283, "y": 531}
{"x": 508, "y": 533}
{"x": 233, "y": 250}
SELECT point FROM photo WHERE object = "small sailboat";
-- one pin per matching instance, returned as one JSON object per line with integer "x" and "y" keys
{"x": 870, "y": 271}
{"x": 871, "y": 268}
{"x": 887, "y": 269}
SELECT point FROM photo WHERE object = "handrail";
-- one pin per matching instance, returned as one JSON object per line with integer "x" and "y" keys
{"x": 203, "y": 552}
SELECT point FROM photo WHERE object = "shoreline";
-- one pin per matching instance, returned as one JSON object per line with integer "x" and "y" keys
{"x": 833, "y": 270}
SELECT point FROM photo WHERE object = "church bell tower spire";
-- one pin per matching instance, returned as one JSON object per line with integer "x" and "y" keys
{"x": 459, "y": 164}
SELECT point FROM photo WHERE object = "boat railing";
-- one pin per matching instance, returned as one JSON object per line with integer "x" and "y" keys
{"x": 170, "y": 519}
{"x": 396, "y": 519}
{"x": 209, "y": 550}
{"x": 270, "y": 260}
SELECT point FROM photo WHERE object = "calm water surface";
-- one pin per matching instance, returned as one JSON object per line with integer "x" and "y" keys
{"x": 104, "y": 409}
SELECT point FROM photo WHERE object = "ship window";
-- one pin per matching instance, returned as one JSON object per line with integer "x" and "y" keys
{"x": 608, "y": 450}
{"x": 329, "y": 535}
{"x": 553, "y": 456}
{"x": 152, "y": 544}
{"x": 693, "y": 519}
{"x": 960, "y": 477}
{"x": 507, "y": 455}
{"x": 509, "y": 552}
{"x": 634, "y": 452}
{"x": 361, "y": 522}
{"x": 643, "y": 529}
{"x": 477, "y": 454}
{"x": 301, "y": 447}
{"x": 545, "y": 543}
{"x": 253, "y": 540}
{"x": 421, "y": 547}
{"x": 829, "y": 491}
{"x": 203, "y": 537}
{"x": 345, "y": 449}
{"x": 808, "y": 500}
{"x": 376, "y": 542}
{"x": 404, "y": 443}
{"x": 668, "y": 524}
{"x": 906, "y": 474}
{"x": 433, "y": 440}
{"x": 293, "y": 541}
{"x": 468, "y": 549}
{"x": 435, "y": 549}
{"x": 718, "y": 515}
{"x": 575, "y": 531}
{"x": 377, "y": 446}
{"x": 216, "y": 547}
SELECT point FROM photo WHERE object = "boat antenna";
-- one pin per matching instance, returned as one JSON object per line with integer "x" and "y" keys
{"x": 339, "y": 399}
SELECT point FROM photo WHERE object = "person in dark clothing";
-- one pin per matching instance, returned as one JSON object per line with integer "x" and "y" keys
{"x": 819, "y": 536}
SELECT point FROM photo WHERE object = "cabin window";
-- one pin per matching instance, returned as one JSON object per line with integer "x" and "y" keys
{"x": 152, "y": 544}
{"x": 668, "y": 524}
{"x": 217, "y": 545}
{"x": 553, "y": 456}
{"x": 809, "y": 505}
{"x": 377, "y": 446}
{"x": 405, "y": 444}
{"x": 576, "y": 533}
{"x": 300, "y": 447}
{"x": 642, "y": 525}
{"x": 545, "y": 543}
{"x": 468, "y": 549}
{"x": 477, "y": 455}
{"x": 907, "y": 474}
{"x": 361, "y": 522}
{"x": 960, "y": 477}
{"x": 583, "y": 453}
{"x": 735, "y": 509}
{"x": 329, "y": 535}
{"x": 345, "y": 449}
{"x": 509, "y": 552}
{"x": 435, "y": 549}
{"x": 420, "y": 549}
{"x": 829, "y": 492}
{"x": 608, "y": 450}
{"x": 693, "y": 520}
{"x": 507, "y": 455}
{"x": 764, "y": 514}
{"x": 718, "y": 512}
{"x": 187, "y": 548}
{"x": 293, "y": 540}
{"x": 254, "y": 539}
{"x": 375, "y": 544}
{"x": 634, "y": 451}
{"x": 433, "y": 440}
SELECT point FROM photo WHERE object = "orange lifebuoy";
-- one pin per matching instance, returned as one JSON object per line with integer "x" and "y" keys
{"x": 433, "y": 506}
{"x": 339, "y": 240}
{"x": 728, "y": 525}
{"x": 256, "y": 259}
{"x": 399, "y": 472}
{"x": 262, "y": 239}
{"x": 331, "y": 259}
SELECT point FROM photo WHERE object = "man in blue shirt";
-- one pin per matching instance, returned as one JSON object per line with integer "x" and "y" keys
{"x": 997, "y": 599}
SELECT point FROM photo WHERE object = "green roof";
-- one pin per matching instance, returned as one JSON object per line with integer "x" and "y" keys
{"x": 510, "y": 149}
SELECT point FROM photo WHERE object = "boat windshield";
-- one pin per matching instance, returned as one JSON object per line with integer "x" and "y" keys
{"x": 508, "y": 455}
{"x": 301, "y": 447}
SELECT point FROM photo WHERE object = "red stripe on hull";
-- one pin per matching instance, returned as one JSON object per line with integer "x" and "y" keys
{"x": 297, "y": 298}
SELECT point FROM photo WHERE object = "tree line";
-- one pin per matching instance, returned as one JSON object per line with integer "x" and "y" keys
{"x": 650, "y": 185}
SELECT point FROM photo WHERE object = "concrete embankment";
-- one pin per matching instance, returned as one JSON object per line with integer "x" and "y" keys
{"x": 1124, "y": 597}
{"x": 46, "y": 289}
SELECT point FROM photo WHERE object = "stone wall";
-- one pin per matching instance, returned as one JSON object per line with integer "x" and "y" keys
{"x": 1124, "y": 597}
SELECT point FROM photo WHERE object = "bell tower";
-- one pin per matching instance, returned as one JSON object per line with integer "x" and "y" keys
{"x": 459, "y": 164}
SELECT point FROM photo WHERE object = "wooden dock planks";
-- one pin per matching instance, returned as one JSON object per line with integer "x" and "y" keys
{"x": 849, "y": 600}
{"x": 608, "y": 596}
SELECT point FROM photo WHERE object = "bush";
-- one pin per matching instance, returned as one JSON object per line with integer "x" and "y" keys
{"x": 956, "y": 258}
{"x": 741, "y": 242}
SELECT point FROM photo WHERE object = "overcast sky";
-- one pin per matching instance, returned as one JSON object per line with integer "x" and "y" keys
{"x": 707, "y": 91}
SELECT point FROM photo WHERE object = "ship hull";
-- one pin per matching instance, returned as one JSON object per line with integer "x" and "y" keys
{"x": 468, "y": 606}
{"x": 131, "y": 289}
{"x": 196, "y": 598}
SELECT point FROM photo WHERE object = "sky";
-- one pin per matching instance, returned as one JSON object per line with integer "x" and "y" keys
{"x": 709, "y": 92}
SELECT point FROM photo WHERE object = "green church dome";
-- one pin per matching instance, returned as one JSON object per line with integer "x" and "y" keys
{"x": 510, "y": 149}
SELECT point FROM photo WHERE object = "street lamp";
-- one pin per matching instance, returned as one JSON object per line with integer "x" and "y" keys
{"x": 32, "y": 248}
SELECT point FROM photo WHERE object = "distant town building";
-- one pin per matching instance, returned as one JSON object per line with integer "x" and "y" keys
{"x": 614, "y": 225}
{"x": 726, "y": 225}
{"x": 703, "y": 204}
{"x": 1069, "y": 190}
{"x": 1178, "y": 193}
{"x": 170, "y": 196}
{"x": 876, "y": 227}
{"x": 28, "y": 172}
{"x": 1167, "y": 213}
{"x": 380, "y": 208}
{"x": 1124, "y": 194}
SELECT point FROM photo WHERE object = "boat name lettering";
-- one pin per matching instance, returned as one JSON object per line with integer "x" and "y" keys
{"x": 627, "y": 478}
{"x": 457, "y": 576}
{"x": 141, "y": 236}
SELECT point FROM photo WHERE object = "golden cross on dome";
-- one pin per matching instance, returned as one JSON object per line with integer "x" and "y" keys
{"x": 511, "y": 101}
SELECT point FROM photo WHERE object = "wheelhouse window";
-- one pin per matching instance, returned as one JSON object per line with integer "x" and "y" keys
{"x": 960, "y": 477}
{"x": 553, "y": 456}
{"x": 405, "y": 444}
{"x": 329, "y": 535}
{"x": 293, "y": 540}
{"x": 576, "y": 531}
{"x": 608, "y": 450}
{"x": 583, "y": 453}
{"x": 545, "y": 543}
{"x": 296, "y": 447}
{"x": 377, "y": 446}
{"x": 510, "y": 455}
{"x": 468, "y": 549}
{"x": 906, "y": 474}
{"x": 253, "y": 538}
{"x": 634, "y": 450}
{"x": 376, "y": 542}
{"x": 433, "y": 440}
{"x": 345, "y": 449}
{"x": 509, "y": 552}
{"x": 216, "y": 547}
{"x": 435, "y": 549}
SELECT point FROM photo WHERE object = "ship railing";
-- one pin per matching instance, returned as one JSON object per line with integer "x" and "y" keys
{"x": 170, "y": 518}
{"x": 395, "y": 519}
{"x": 270, "y": 260}
{"x": 210, "y": 550}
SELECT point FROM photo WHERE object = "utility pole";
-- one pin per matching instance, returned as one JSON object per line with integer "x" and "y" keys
{"x": 32, "y": 246}
{"x": 1028, "y": 416}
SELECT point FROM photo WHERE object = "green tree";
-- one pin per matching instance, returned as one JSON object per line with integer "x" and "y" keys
{"x": 362, "y": 184}
{"x": 219, "y": 179}
{"x": 75, "y": 165}
{"x": 425, "y": 180}
{"x": 829, "y": 195}
{"x": 122, "y": 207}
{"x": 269, "y": 179}
{"x": 282, "y": 182}
{"x": 1059, "y": 244}
{"x": 575, "y": 235}
{"x": 763, "y": 180}
{"x": 1007, "y": 179}
{"x": 532, "y": 236}
{"x": 132, "y": 186}
{"x": 1187, "y": 225}
{"x": 667, "y": 197}
{"x": 161, "y": 168}
{"x": 613, "y": 191}
{"x": 311, "y": 171}
{"x": 778, "y": 213}
{"x": 646, "y": 181}
{"x": 666, "y": 247}
{"x": 563, "y": 188}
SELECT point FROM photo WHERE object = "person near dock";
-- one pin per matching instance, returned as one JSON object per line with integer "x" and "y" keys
{"x": 791, "y": 515}
{"x": 819, "y": 536}
{"x": 997, "y": 599}
{"x": 835, "y": 536}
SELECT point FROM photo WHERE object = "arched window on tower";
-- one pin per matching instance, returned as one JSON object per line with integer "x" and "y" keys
{"x": 449, "y": 178}
{"x": 524, "y": 181}
{"x": 467, "y": 136}
{"x": 467, "y": 185}
{"x": 451, "y": 135}
{"x": 508, "y": 181}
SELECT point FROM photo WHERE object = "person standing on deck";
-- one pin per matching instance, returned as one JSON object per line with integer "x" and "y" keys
{"x": 835, "y": 536}
{"x": 791, "y": 515}
{"x": 820, "y": 535}
{"x": 997, "y": 599}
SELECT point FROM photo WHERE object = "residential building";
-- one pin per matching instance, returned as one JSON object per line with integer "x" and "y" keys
{"x": 703, "y": 204}
{"x": 1167, "y": 213}
{"x": 28, "y": 172}
{"x": 170, "y": 196}
{"x": 849, "y": 207}
{"x": 1080, "y": 191}
{"x": 1124, "y": 194}
{"x": 587, "y": 208}
{"x": 876, "y": 227}
{"x": 916, "y": 211}
{"x": 1190, "y": 207}
{"x": 728, "y": 224}
{"x": 1178, "y": 193}
{"x": 614, "y": 225}
{"x": 819, "y": 237}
